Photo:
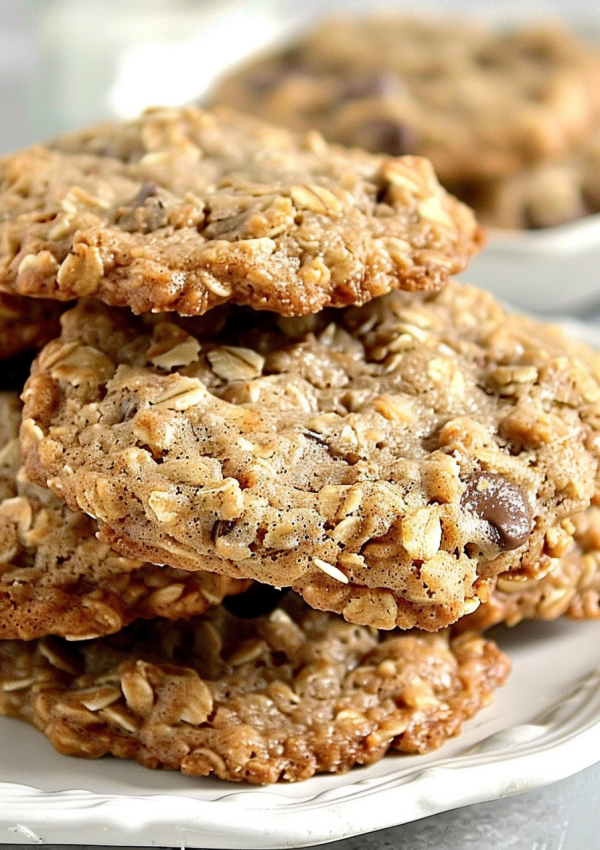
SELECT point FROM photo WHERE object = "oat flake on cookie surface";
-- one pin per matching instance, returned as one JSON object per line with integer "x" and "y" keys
{"x": 281, "y": 697}
{"x": 182, "y": 209}
{"x": 387, "y": 462}
{"x": 57, "y": 578}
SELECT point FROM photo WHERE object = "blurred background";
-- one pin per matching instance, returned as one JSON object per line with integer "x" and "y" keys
{"x": 64, "y": 63}
{"x": 68, "y": 63}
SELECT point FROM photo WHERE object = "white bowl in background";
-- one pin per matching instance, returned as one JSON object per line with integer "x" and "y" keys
{"x": 554, "y": 270}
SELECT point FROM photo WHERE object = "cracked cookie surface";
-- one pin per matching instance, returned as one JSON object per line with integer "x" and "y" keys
{"x": 282, "y": 697}
{"x": 182, "y": 210}
{"x": 57, "y": 578}
{"x": 479, "y": 102}
{"x": 387, "y": 462}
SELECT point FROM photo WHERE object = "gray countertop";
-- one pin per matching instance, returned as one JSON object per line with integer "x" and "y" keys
{"x": 563, "y": 816}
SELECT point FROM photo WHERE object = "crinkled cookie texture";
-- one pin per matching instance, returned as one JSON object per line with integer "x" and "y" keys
{"x": 570, "y": 589}
{"x": 57, "y": 578}
{"x": 26, "y": 324}
{"x": 282, "y": 697}
{"x": 386, "y": 462}
{"x": 182, "y": 210}
{"x": 480, "y": 102}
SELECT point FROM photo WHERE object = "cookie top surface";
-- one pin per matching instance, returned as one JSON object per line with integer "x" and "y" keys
{"x": 479, "y": 102}
{"x": 387, "y": 461}
{"x": 182, "y": 210}
{"x": 280, "y": 698}
{"x": 57, "y": 578}
{"x": 571, "y": 588}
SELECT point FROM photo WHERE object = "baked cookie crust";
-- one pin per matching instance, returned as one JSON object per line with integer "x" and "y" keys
{"x": 182, "y": 210}
{"x": 545, "y": 194}
{"x": 279, "y": 698}
{"x": 57, "y": 578}
{"x": 387, "y": 462}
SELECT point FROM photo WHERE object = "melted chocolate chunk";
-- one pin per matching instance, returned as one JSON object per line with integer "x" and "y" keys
{"x": 503, "y": 505}
{"x": 257, "y": 601}
{"x": 382, "y": 135}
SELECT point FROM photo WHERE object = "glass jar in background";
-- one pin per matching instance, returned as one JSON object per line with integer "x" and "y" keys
{"x": 111, "y": 58}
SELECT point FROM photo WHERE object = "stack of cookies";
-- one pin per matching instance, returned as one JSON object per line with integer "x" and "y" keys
{"x": 510, "y": 116}
{"x": 274, "y": 467}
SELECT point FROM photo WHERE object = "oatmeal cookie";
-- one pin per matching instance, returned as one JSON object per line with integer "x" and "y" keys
{"x": 570, "y": 589}
{"x": 182, "y": 210}
{"x": 387, "y": 461}
{"x": 57, "y": 578}
{"x": 282, "y": 697}
{"x": 479, "y": 102}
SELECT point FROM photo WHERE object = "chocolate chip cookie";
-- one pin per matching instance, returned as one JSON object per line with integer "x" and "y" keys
{"x": 279, "y": 698}
{"x": 388, "y": 462}
{"x": 480, "y": 102}
{"x": 57, "y": 578}
{"x": 182, "y": 210}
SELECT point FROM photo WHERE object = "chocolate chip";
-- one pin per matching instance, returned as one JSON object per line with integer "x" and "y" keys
{"x": 383, "y": 135}
{"x": 257, "y": 601}
{"x": 503, "y": 505}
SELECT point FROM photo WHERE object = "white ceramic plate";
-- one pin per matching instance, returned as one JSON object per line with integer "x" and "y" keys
{"x": 543, "y": 726}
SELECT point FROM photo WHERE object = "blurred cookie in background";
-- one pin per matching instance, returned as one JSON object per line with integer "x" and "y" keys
{"x": 482, "y": 103}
